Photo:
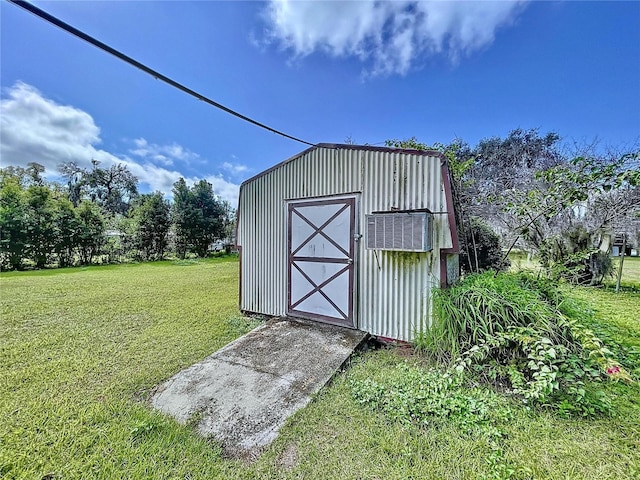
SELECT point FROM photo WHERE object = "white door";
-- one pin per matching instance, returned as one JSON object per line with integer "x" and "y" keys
{"x": 321, "y": 254}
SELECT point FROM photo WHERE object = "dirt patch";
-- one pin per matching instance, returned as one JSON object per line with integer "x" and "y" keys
{"x": 247, "y": 456}
{"x": 288, "y": 459}
{"x": 406, "y": 351}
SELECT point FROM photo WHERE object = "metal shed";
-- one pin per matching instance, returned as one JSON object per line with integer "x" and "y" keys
{"x": 351, "y": 235}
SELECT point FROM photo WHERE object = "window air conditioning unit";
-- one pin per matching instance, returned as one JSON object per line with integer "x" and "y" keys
{"x": 406, "y": 231}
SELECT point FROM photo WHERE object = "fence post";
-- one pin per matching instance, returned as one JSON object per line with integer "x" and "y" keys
{"x": 624, "y": 249}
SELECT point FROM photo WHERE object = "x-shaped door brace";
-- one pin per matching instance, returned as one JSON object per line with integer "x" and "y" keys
{"x": 318, "y": 288}
{"x": 318, "y": 230}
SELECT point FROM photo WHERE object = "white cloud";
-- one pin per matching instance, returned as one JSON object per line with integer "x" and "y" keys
{"x": 390, "y": 37}
{"x": 36, "y": 129}
{"x": 164, "y": 154}
{"x": 235, "y": 168}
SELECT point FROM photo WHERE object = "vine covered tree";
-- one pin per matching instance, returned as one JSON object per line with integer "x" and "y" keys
{"x": 112, "y": 188}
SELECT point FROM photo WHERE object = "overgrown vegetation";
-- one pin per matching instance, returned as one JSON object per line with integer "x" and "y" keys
{"x": 481, "y": 249}
{"x": 525, "y": 337}
{"x": 505, "y": 344}
{"x": 431, "y": 397}
{"x": 480, "y": 433}
{"x": 573, "y": 210}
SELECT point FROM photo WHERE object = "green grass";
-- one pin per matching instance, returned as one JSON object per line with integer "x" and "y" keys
{"x": 630, "y": 272}
{"x": 630, "y": 269}
{"x": 621, "y": 331}
{"x": 80, "y": 347}
{"x": 521, "y": 261}
{"x": 336, "y": 439}
{"x": 80, "y": 350}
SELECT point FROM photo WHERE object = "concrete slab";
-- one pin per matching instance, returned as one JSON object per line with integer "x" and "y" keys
{"x": 242, "y": 394}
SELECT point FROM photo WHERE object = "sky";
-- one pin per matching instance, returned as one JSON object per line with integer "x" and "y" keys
{"x": 321, "y": 71}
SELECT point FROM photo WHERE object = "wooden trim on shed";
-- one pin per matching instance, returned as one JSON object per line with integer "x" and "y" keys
{"x": 349, "y": 260}
{"x": 453, "y": 228}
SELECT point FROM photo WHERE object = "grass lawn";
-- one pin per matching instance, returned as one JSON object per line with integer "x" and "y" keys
{"x": 630, "y": 271}
{"x": 80, "y": 349}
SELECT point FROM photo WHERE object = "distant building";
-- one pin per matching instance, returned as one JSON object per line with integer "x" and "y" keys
{"x": 618, "y": 243}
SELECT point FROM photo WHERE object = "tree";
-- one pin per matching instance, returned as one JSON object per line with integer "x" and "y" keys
{"x": 113, "y": 188}
{"x": 32, "y": 175}
{"x": 35, "y": 221}
{"x": 199, "y": 217}
{"x": 183, "y": 216}
{"x": 40, "y": 224}
{"x": 91, "y": 231}
{"x": 503, "y": 164}
{"x": 211, "y": 217}
{"x": 34, "y": 172}
{"x": 67, "y": 230}
{"x": 561, "y": 214}
{"x": 483, "y": 173}
{"x": 26, "y": 216}
{"x": 151, "y": 224}
{"x": 13, "y": 221}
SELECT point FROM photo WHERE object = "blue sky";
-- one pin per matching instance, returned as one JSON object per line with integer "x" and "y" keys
{"x": 322, "y": 71}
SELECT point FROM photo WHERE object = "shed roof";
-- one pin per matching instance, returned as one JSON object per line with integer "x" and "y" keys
{"x": 339, "y": 146}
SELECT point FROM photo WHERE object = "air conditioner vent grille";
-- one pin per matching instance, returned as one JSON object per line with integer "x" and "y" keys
{"x": 406, "y": 231}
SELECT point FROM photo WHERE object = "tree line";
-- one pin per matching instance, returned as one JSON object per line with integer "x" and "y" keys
{"x": 529, "y": 191}
{"x": 97, "y": 214}
{"x": 524, "y": 191}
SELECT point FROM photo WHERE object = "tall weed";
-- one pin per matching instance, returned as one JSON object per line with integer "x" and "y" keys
{"x": 522, "y": 334}
{"x": 483, "y": 305}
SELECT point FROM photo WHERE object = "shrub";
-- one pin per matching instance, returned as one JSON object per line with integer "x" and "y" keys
{"x": 571, "y": 257}
{"x": 521, "y": 334}
{"x": 481, "y": 306}
{"x": 481, "y": 250}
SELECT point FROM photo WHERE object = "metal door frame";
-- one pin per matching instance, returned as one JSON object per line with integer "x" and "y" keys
{"x": 352, "y": 202}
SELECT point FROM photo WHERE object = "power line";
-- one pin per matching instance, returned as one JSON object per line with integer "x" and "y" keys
{"x": 157, "y": 75}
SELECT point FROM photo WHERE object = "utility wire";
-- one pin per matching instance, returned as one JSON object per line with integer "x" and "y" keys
{"x": 157, "y": 75}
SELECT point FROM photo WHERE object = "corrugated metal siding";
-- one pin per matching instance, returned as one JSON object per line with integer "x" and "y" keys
{"x": 395, "y": 287}
{"x": 393, "y": 293}
{"x": 262, "y": 224}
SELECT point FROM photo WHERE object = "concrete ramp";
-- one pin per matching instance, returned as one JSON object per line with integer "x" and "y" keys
{"x": 242, "y": 394}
